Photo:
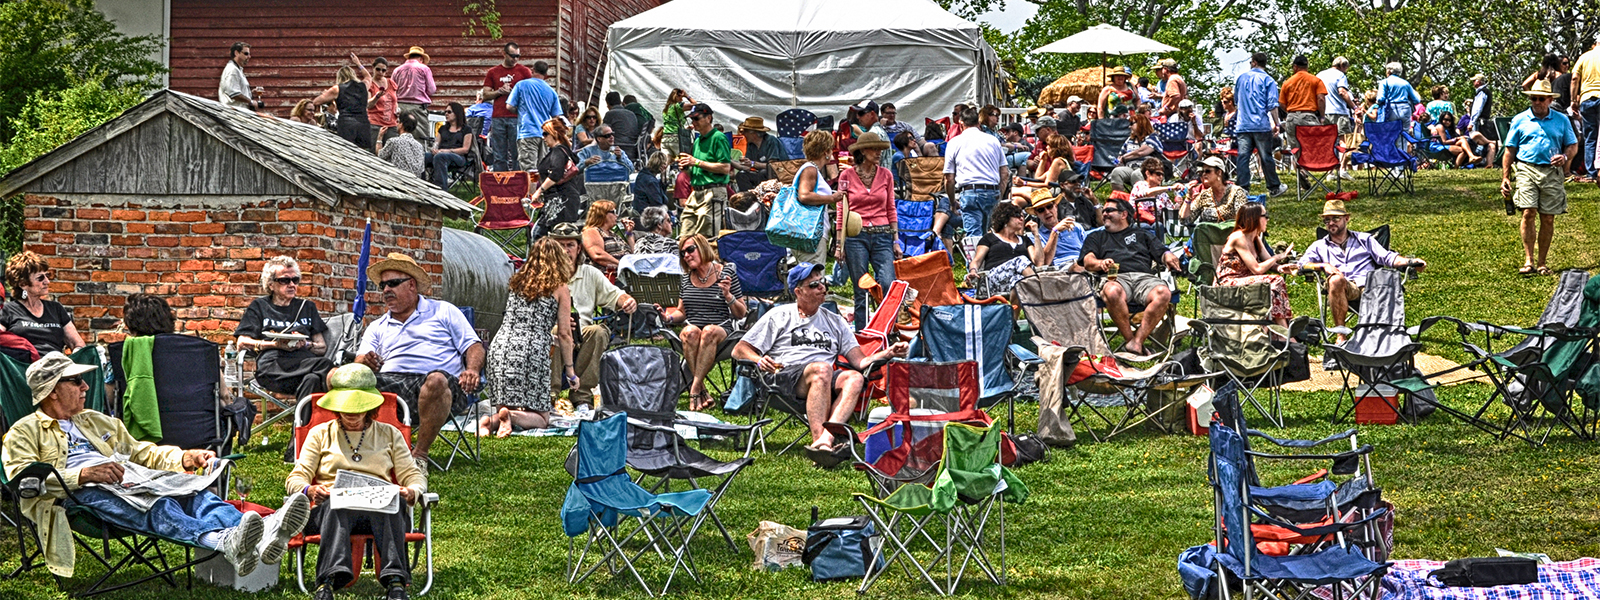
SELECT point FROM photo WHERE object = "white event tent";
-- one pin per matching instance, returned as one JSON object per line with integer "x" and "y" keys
{"x": 761, "y": 57}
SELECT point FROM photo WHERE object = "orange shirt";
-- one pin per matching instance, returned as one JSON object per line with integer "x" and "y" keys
{"x": 1299, "y": 92}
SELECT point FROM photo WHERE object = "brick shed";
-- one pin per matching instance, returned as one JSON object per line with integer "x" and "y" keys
{"x": 184, "y": 198}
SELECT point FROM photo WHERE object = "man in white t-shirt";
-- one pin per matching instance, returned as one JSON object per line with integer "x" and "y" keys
{"x": 974, "y": 171}
{"x": 796, "y": 344}
{"x": 1339, "y": 101}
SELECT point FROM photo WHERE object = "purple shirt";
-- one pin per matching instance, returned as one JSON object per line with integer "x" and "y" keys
{"x": 434, "y": 338}
{"x": 415, "y": 82}
{"x": 1359, "y": 256}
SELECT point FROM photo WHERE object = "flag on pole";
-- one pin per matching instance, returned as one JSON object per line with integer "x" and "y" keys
{"x": 359, "y": 308}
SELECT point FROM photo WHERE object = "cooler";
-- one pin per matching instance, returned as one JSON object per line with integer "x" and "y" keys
{"x": 1376, "y": 404}
{"x": 889, "y": 438}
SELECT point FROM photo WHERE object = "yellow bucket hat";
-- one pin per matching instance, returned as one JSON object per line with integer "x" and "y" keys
{"x": 354, "y": 390}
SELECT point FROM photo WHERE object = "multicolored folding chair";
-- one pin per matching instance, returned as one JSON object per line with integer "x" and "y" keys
{"x": 981, "y": 333}
{"x": 504, "y": 220}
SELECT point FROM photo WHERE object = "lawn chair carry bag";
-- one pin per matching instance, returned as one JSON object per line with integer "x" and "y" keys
{"x": 839, "y": 548}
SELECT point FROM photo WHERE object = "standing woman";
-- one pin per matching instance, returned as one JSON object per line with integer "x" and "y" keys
{"x": 1246, "y": 260}
{"x": 285, "y": 366}
{"x": 45, "y": 323}
{"x": 381, "y": 112}
{"x": 710, "y": 303}
{"x": 672, "y": 122}
{"x": 519, "y": 356}
{"x": 604, "y": 247}
{"x": 1118, "y": 98}
{"x": 558, "y": 171}
{"x": 813, "y": 190}
{"x": 451, "y": 146}
{"x": 870, "y": 188}
{"x": 349, "y": 95}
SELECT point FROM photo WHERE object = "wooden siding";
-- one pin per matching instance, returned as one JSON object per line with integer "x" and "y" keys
{"x": 164, "y": 156}
{"x": 298, "y": 45}
{"x": 583, "y": 41}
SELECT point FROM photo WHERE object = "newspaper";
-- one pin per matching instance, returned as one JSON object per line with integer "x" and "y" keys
{"x": 359, "y": 491}
{"x": 142, "y": 486}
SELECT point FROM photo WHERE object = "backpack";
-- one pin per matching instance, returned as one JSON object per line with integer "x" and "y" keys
{"x": 840, "y": 547}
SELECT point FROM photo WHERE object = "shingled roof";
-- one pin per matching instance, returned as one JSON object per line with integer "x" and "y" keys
{"x": 312, "y": 158}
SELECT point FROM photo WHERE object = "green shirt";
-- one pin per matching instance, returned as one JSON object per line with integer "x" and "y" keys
{"x": 712, "y": 147}
{"x": 672, "y": 119}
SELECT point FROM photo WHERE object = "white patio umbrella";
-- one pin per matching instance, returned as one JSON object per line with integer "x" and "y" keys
{"x": 1104, "y": 39}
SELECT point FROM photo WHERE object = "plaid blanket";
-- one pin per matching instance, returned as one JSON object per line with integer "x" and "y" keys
{"x": 1408, "y": 580}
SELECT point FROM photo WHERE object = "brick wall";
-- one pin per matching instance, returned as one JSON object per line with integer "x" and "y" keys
{"x": 206, "y": 260}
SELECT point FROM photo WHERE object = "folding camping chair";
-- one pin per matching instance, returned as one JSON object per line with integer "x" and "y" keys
{"x": 1391, "y": 166}
{"x": 601, "y": 495}
{"x": 1339, "y": 565}
{"x": 188, "y": 379}
{"x": 1107, "y": 136}
{"x": 392, "y": 412}
{"x": 922, "y": 395}
{"x": 922, "y": 183}
{"x": 1380, "y": 354}
{"x": 1502, "y": 130}
{"x": 969, "y": 487}
{"x": 1061, "y": 307}
{"x": 792, "y": 126}
{"x": 881, "y": 330}
{"x": 1381, "y": 235}
{"x": 1238, "y": 339}
{"x": 981, "y": 333}
{"x": 504, "y": 220}
{"x": 1176, "y": 147}
{"x": 758, "y": 262}
{"x": 644, "y": 382}
{"x": 1317, "y": 160}
{"x": 463, "y": 438}
{"x": 651, "y": 278}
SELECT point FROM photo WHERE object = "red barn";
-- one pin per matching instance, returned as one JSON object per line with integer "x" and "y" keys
{"x": 297, "y": 45}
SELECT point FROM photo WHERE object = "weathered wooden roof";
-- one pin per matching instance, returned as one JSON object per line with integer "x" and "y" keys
{"x": 311, "y": 158}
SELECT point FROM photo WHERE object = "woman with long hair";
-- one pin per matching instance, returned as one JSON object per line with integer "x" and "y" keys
{"x": 519, "y": 355}
{"x": 604, "y": 247}
{"x": 1246, "y": 260}
{"x": 1143, "y": 143}
{"x": 710, "y": 304}
{"x": 672, "y": 122}
{"x": 45, "y": 323}
{"x": 351, "y": 97}
{"x": 382, "y": 110}
{"x": 304, "y": 113}
{"x": 1055, "y": 168}
{"x": 451, "y": 146}
{"x": 558, "y": 171}
{"x": 587, "y": 123}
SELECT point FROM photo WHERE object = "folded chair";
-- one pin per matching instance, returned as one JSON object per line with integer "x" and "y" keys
{"x": 758, "y": 262}
{"x": 1391, "y": 166}
{"x": 969, "y": 487}
{"x": 393, "y": 412}
{"x": 1061, "y": 308}
{"x": 1380, "y": 353}
{"x": 651, "y": 278}
{"x": 1317, "y": 160}
{"x": 504, "y": 220}
{"x": 980, "y": 333}
{"x": 1235, "y": 339}
{"x": 603, "y": 503}
{"x": 1107, "y": 136}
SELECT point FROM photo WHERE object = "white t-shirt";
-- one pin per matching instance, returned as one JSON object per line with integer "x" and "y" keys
{"x": 80, "y": 453}
{"x": 791, "y": 339}
{"x": 1334, "y": 79}
{"x": 975, "y": 157}
{"x": 233, "y": 83}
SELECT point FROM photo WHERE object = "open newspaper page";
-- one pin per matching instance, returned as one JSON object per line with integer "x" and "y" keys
{"x": 142, "y": 486}
{"x": 358, "y": 491}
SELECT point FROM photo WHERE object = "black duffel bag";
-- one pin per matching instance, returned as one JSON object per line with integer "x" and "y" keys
{"x": 1488, "y": 572}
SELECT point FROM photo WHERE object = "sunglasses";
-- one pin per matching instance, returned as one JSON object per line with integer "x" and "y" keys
{"x": 815, "y": 285}
{"x": 687, "y": 250}
{"x": 75, "y": 379}
{"x": 1110, "y": 210}
{"x": 40, "y": 277}
{"x": 607, "y": 135}
{"x": 288, "y": 280}
{"x": 514, "y": 55}
{"x": 391, "y": 283}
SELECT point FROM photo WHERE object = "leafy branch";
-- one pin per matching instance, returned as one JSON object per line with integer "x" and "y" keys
{"x": 482, "y": 13}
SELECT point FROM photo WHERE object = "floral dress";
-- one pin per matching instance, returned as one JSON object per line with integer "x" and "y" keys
{"x": 1232, "y": 272}
{"x": 519, "y": 355}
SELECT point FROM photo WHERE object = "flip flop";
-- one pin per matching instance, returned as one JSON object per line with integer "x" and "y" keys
{"x": 829, "y": 458}
{"x": 1544, "y": 270}
{"x": 1525, "y": 270}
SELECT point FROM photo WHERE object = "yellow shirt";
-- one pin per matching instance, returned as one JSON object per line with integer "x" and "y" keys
{"x": 38, "y": 438}
{"x": 1587, "y": 72}
{"x": 326, "y": 452}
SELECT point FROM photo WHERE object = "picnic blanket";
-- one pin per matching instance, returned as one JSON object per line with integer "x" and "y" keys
{"x": 1575, "y": 579}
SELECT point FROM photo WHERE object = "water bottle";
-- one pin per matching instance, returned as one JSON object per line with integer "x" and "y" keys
{"x": 230, "y": 368}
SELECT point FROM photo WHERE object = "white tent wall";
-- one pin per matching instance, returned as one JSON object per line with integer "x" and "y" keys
{"x": 800, "y": 53}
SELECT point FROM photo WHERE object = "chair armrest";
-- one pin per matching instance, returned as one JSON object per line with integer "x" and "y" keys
{"x": 728, "y": 428}
{"x": 430, "y": 499}
{"x": 1024, "y": 355}
{"x": 638, "y": 424}
{"x": 1289, "y": 443}
{"x": 1365, "y": 449}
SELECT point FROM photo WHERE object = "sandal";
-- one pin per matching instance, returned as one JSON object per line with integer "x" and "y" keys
{"x": 699, "y": 402}
{"x": 1525, "y": 270}
{"x": 1544, "y": 270}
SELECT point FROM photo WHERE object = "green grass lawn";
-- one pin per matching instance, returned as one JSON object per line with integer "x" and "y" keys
{"x": 1106, "y": 520}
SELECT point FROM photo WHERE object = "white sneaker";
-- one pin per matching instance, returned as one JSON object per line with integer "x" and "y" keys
{"x": 1282, "y": 187}
{"x": 239, "y": 544}
{"x": 282, "y": 525}
{"x": 1345, "y": 175}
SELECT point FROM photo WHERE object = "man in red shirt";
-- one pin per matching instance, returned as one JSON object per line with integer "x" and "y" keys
{"x": 1173, "y": 88}
{"x": 503, "y": 120}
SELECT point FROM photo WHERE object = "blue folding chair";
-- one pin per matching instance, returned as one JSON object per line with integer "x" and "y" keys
{"x": 1391, "y": 165}
{"x": 981, "y": 333}
{"x": 602, "y": 497}
{"x": 917, "y": 236}
{"x": 758, "y": 261}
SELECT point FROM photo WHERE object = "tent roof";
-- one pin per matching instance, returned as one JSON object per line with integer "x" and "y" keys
{"x": 795, "y": 15}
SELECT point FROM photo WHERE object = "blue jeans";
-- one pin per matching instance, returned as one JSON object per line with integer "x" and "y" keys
{"x": 869, "y": 249}
{"x": 442, "y": 162}
{"x": 503, "y": 141}
{"x": 1262, "y": 143}
{"x": 1590, "y": 111}
{"x": 975, "y": 208}
{"x": 184, "y": 518}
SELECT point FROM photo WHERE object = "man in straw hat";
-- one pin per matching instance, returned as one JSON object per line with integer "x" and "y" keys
{"x": 760, "y": 149}
{"x": 415, "y": 90}
{"x": 1539, "y": 152}
{"x": 1061, "y": 237}
{"x": 1347, "y": 257}
{"x": 79, "y": 443}
{"x": 424, "y": 350}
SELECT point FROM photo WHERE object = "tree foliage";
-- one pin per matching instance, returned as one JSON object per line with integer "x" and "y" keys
{"x": 52, "y": 45}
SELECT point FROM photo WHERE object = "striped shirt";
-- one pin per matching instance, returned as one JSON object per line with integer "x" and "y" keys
{"x": 704, "y": 306}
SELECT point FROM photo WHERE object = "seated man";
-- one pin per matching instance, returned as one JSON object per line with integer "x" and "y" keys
{"x": 1134, "y": 256}
{"x": 79, "y": 443}
{"x": 799, "y": 342}
{"x": 1347, "y": 257}
{"x": 423, "y": 350}
{"x": 605, "y": 168}
{"x": 591, "y": 291}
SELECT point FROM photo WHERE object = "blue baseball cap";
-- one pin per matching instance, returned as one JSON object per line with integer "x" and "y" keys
{"x": 800, "y": 273}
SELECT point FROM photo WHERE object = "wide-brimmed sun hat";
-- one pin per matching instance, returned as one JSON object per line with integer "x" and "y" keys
{"x": 1042, "y": 198}
{"x": 1334, "y": 208}
{"x": 354, "y": 390}
{"x": 755, "y": 124}
{"x": 417, "y": 51}
{"x": 1540, "y": 88}
{"x": 45, "y": 373}
{"x": 396, "y": 261}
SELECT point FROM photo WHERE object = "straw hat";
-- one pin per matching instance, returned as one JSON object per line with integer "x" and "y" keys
{"x": 869, "y": 141}
{"x": 755, "y": 124}
{"x": 1120, "y": 71}
{"x": 1042, "y": 198}
{"x": 45, "y": 373}
{"x": 852, "y": 224}
{"x": 354, "y": 390}
{"x": 417, "y": 51}
{"x": 396, "y": 261}
{"x": 1540, "y": 88}
{"x": 1334, "y": 208}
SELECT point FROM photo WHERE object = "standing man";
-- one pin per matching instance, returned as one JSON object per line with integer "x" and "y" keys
{"x": 1585, "y": 91}
{"x": 1070, "y": 118}
{"x": 1539, "y": 153}
{"x": 534, "y": 102}
{"x": 974, "y": 166}
{"x": 708, "y": 170}
{"x": 1304, "y": 97}
{"x": 1339, "y": 101}
{"x": 234, "y": 89}
{"x": 1483, "y": 113}
{"x": 624, "y": 123}
{"x": 497, "y": 84}
{"x": 1173, "y": 88}
{"x": 416, "y": 89}
{"x": 1396, "y": 97}
{"x": 1256, "y": 96}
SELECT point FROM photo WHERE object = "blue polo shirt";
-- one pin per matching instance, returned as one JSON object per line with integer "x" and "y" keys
{"x": 434, "y": 338}
{"x": 1537, "y": 139}
{"x": 1255, "y": 93}
{"x": 535, "y": 103}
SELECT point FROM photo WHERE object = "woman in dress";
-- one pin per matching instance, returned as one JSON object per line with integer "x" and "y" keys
{"x": 1214, "y": 199}
{"x": 710, "y": 303}
{"x": 1246, "y": 260}
{"x": 600, "y": 241}
{"x": 285, "y": 366}
{"x": 558, "y": 171}
{"x": 349, "y": 94}
{"x": 870, "y": 188}
{"x": 1116, "y": 99}
{"x": 450, "y": 148}
{"x": 45, "y": 323}
{"x": 1007, "y": 255}
{"x": 519, "y": 356}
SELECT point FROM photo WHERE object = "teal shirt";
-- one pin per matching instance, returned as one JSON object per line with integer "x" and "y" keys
{"x": 1538, "y": 139}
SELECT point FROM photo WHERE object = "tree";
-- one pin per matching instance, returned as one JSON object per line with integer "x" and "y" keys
{"x": 52, "y": 45}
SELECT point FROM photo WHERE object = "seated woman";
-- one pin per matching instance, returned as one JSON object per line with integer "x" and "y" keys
{"x": 519, "y": 355}
{"x": 283, "y": 365}
{"x": 1442, "y": 139}
{"x": 1007, "y": 255}
{"x": 1142, "y": 143}
{"x": 1054, "y": 167}
{"x": 341, "y": 445}
{"x": 600, "y": 241}
{"x": 711, "y": 303}
{"x": 1246, "y": 260}
{"x": 648, "y": 189}
{"x": 654, "y": 235}
{"x": 44, "y": 323}
{"x": 1149, "y": 197}
{"x": 1213, "y": 199}
{"x": 147, "y": 314}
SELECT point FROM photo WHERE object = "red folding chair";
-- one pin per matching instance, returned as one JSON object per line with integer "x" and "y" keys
{"x": 504, "y": 220}
{"x": 1317, "y": 160}
{"x": 880, "y": 331}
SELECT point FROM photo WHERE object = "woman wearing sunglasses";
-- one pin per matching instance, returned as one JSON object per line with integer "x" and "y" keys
{"x": 285, "y": 333}
{"x": 1246, "y": 260}
{"x": 1213, "y": 199}
{"x": 45, "y": 323}
{"x": 710, "y": 305}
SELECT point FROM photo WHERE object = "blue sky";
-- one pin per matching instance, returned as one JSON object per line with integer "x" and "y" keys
{"x": 1017, "y": 12}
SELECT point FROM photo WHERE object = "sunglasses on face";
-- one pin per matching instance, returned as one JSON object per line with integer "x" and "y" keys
{"x": 687, "y": 250}
{"x": 1110, "y": 210}
{"x": 606, "y": 135}
{"x": 75, "y": 380}
{"x": 513, "y": 55}
{"x": 815, "y": 285}
{"x": 392, "y": 283}
{"x": 42, "y": 277}
{"x": 1331, "y": 219}
{"x": 288, "y": 280}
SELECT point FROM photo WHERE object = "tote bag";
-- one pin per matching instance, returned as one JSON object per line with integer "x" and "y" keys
{"x": 794, "y": 225}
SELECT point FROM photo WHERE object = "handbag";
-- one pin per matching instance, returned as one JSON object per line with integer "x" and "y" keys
{"x": 795, "y": 225}
{"x": 841, "y": 547}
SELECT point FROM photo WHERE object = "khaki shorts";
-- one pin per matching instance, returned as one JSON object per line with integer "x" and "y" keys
{"x": 1138, "y": 286}
{"x": 1346, "y": 125}
{"x": 702, "y": 214}
{"x": 1539, "y": 186}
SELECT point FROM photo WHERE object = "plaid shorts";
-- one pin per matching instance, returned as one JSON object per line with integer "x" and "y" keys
{"x": 409, "y": 385}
